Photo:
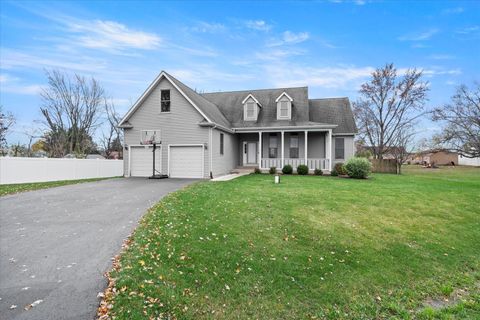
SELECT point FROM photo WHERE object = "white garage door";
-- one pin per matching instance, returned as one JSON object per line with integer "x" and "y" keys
{"x": 186, "y": 161}
{"x": 141, "y": 161}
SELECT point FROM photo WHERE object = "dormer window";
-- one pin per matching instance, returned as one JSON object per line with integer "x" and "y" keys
{"x": 250, "y": 108}
{"x": 284, "y": 107}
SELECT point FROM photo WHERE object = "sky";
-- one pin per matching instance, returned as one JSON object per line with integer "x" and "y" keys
{"x": 330, "y": 46}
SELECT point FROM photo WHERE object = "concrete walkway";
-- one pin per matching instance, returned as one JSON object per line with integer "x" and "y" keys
{"x": 56, "y": 244}
{"x": 229, "y": 177}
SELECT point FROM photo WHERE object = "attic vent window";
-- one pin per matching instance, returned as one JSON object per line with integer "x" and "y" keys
{"x": 284, "y": 107}
{"x": 250, "y": 108}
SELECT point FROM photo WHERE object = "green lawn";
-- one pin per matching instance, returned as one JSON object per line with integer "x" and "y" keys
{"x": 22, "y": 187}
{"x": 311, "y": 247}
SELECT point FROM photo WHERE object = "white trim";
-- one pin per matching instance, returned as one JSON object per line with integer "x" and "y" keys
{"x": 283, "y": 148}
{"x": 149, "y": 90}
{"x": 286, "y": 128}
{"x": 210, "y": 147}
{"x": 254, "y": 99}
{"x": 259, "y": 149}
{"x": 187, "y": 145}
{"x": 329, "y": 150}
{"x": 284, "y": 94}
{"x": 306, "y": 147}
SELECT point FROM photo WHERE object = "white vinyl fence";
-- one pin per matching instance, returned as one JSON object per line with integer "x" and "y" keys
{"x": 468, "y": 161}
{"x": 24, "y": 170}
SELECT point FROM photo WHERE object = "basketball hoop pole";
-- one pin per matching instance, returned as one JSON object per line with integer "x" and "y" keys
{"x": 154, "y": 174}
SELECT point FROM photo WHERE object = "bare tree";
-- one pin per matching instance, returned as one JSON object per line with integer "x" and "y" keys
{"x": 32, "y": 133}
{"x": 389, "y": 104}
{"x": 401, "y": 147}
{"x": 111, "y": 139}
{"x": 71, "y": 108}
{"x": 461, "y": 118}
{"x": 7, "y": 120}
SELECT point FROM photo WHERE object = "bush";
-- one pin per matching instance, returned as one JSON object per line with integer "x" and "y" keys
{"x": 257, "y": 170}
{"x": 273, "y": 170}
{"x": 302, "y": 169}
{"x": 334, "y": 173}
{"x": 318, "y": 172}
{"x": 358, "y": 168}
{"x": 287, "y": 169}
{"x": 340, "y": 169}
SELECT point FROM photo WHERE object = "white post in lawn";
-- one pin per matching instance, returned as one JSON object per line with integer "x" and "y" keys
{"x": 260, "y": 149}
{"x": 306, "y": 148}
{"x": 283, "y": 158}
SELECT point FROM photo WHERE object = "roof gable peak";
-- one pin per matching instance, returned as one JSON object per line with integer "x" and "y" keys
{"x": 284, "y": 94}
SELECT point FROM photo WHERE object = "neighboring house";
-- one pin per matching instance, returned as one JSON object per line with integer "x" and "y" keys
{"x": 464, "y": 161}
{"x": 435, "y": 156}
{"x": 208, "y": 135}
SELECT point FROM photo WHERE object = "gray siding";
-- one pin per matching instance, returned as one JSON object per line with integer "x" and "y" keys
{"x": 179, "y": 126}
{"x": 349, "y": 148}
{"x": 223, "y": 164}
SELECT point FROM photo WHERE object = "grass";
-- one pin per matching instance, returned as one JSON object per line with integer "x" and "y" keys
{"x": 311, "y": 247}
{"x": 22, "y": 187}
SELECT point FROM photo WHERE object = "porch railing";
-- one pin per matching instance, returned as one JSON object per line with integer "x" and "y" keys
{"x": 313, "y": 163}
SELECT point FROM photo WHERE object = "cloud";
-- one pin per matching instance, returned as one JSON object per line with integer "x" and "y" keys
{"x": 419, "y": 36}
{"x": 326, "y": 77}
{"x": 357, "y": 2}
{"x": 14, "y": 85}
{"x": 207, "y": 27}
{"x": 289, "y": 37}
{"x": 455, "y": 10}
{"x": 259, "y": 25}
{"x": 441, "y": 57}
{"x": 468, "y": 30}
{"x": 441, "y": 71}
{"x": 104, "y": 34}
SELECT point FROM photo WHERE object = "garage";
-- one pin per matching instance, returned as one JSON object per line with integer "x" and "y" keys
{"x": 186, "y": 161}
{"x": 141, "y": 160}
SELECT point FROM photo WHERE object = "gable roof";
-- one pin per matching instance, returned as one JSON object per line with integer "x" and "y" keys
{"x": 207, "y": 109}
{"x": 230, "y": 103}
{"x": 334, "y": 110}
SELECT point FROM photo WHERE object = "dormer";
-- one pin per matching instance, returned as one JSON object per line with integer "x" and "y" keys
{"x": 251, "y": 108}
{"x": 284, "y": 106}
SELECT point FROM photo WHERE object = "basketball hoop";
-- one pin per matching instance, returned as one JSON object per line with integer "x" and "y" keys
{"x": 152, "y": 137}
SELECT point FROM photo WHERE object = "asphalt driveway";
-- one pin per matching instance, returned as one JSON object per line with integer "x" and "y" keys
{"x": 56, "y": 244}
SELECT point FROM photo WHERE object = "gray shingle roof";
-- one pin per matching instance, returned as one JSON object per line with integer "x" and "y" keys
{"x": 207, "y": 107}
{"x": 333, "y": 110}
{"x": 230, "y": 103}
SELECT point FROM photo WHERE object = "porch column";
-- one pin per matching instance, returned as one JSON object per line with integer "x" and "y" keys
{"x": 260, "y": 149}
{"x": 328, "y": 147}
{"x": 283, "y": 146}
{"x": 306, "y": 148}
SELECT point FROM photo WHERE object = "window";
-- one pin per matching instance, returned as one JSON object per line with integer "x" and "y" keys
{"x": 294, "y": 145}
{"x": 339, "y": 148}
{"x": 165, "y": 100}
{"x": 284, "y": 109}
{"x": 250, "y": 113}
{"x": 273, "y": 146}
{"x": 221, "y": 143}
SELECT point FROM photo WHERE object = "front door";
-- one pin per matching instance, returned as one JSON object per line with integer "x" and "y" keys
{"x": 250, "y": 153}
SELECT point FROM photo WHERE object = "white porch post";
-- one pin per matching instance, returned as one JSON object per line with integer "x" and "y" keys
{"x": 328, "y": 151}
{"x": 283, "y": 146}
{"x": 306, "y": 148}
{"x": 260, "y": 149}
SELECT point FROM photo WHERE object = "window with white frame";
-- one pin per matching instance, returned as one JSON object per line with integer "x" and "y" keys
{"x": 294, "y": 145}
{"x": 284, "y": 108}
{"x": 165, "y": 101}
{"x": 250, "y": 111}
{"x": 339, "y": 148}
{"x": 272, "y": 145}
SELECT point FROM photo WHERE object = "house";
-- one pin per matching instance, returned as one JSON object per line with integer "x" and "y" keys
{"x": 210, "y": 134}
{"x": 434, "y": 157}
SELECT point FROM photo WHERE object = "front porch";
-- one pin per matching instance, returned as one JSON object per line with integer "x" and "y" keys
{"x": 266, "y": 149}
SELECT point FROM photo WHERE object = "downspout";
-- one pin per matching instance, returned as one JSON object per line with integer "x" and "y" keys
{"x": 210, "y": 142}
